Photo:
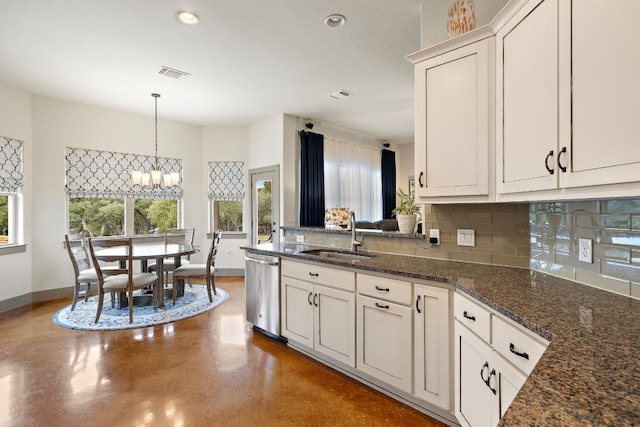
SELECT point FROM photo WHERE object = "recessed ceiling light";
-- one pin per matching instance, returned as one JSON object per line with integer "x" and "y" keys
{"x": 335, "y": 20}
{"x": 188, "y": 18}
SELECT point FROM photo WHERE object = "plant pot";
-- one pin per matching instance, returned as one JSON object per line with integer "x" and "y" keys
{"x": 406, "y": 223}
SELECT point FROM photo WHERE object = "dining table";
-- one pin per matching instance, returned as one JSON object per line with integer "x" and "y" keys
{"x": 146, "y": 251}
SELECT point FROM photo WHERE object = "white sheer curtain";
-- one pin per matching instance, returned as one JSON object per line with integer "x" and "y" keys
{"x": 352, "y": 178}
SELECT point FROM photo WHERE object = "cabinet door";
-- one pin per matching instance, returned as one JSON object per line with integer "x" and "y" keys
{"x": 384, "y": 341}
{"x": 297, "y": 310}
{"x": 510, "y": 381}
{"x": 476, "y": 404}
{"x": 605, "y": 108}
{"x": 432, "y": 340}
{"x": 452, "y": 122}
{"x": 335, "y": 324}
{"x": 527, "y": 121}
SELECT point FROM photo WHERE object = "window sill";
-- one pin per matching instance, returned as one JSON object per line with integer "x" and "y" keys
{"x": 229, "y": 235}
{"x": 12, "y": 249}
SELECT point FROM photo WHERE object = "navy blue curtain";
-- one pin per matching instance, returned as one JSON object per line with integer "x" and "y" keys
{"x": 311, "y": 179}
{"x": 388, "y": 172}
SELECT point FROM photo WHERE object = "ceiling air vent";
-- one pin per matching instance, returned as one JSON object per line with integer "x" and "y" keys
{"x": 173, "y": 73}
{"x": 340, "y": 94}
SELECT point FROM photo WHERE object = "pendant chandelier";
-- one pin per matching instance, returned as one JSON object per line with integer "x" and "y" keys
{"x": 155, "y": 176}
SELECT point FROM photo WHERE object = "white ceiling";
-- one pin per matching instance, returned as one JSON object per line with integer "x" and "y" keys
{"x": 248, "y": 59}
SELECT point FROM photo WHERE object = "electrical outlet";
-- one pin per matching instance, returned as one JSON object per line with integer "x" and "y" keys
{"x": 299, "y": 238}
{"x": 434, "y": 233}
{"x": 466, "y": 237}
{"x": 585, "y": 250}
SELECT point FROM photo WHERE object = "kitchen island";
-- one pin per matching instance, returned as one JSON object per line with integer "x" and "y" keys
{"x": 589, "y": 374}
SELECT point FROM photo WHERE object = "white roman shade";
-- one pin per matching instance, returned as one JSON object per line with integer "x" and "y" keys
{"x": 11, "y": 176}
{"x": 96, "y": 173}
{"x": 226, "y": 180}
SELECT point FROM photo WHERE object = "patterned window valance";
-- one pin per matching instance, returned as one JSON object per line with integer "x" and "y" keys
{"x": 11, "y": 176}
{"x": 226, "y": 180}
{"x": 96, "y": 173}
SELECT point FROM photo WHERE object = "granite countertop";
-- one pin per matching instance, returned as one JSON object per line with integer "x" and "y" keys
{"x": 590, "y": 373}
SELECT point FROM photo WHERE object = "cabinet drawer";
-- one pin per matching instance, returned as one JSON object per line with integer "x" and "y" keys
{"x": 384, "y": 288}
{"x": 328, "y": 276}
{"x": 473, "y": 316}
{"x": 516, "y": 346}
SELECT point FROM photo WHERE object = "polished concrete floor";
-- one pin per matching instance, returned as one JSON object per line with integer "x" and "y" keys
{"x": 210, "y": 370}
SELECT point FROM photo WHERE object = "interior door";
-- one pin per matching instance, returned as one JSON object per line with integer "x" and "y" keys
{"x": 265, "y": 205}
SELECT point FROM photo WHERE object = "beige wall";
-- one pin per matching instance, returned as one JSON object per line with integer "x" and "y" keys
{"x": 404, "y": 166}
{"x": 226, "y": 143}
{"x": 15, "y": 122}
{"x": 58, "y": 124}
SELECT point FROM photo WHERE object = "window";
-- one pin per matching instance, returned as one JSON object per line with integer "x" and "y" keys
{"x": 96, "y": 216}
{"x": 103, "y": 201}
{"x": 155, "y": 216}
{"x": 11, "y": 182}
{"x": 227, "y": 215}
{"x": 352, "y": 178}
{"x": 5, "y": 211}
{"x": 226, "y": 193}
{"x": 107, "y": 217}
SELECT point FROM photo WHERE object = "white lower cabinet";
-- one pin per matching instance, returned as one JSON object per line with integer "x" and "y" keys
{"x": 319, "y": 317}
{"x": 392, "y": 334}
{"x": 488, "y": 375}
{"x": 486, "y": 383}
{"x": 385, "y": 341}
{"x": 432, "y": 324}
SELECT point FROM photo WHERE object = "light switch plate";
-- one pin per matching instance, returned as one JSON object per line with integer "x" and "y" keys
{"x": 466, "y": 237}
{"x": 299, "y": 238}
{"x": 585, "y": 250}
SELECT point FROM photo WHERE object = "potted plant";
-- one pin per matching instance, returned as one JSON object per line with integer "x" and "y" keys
{"x": 407, "y": 212}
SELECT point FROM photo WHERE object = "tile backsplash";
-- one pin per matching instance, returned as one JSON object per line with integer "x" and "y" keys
{"x": 501, "y": 232}
{"x": 540, "y": 236}
{"x": 612, "y": 225}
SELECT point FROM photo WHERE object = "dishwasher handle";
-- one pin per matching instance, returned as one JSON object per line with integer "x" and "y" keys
{"x": 259, "y": 261}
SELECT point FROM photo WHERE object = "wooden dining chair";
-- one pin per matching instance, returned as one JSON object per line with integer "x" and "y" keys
{"x": 174, "y": 235}
{"x": 199, "y": 271}
{"x": 120, "y": 279}
{"x": 85, "y": 276}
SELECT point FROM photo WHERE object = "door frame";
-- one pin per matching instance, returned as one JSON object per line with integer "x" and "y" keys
{"x": 271, "y": 173}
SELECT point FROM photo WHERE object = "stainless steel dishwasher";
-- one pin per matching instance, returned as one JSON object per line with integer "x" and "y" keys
{"x": 262, "y": 293}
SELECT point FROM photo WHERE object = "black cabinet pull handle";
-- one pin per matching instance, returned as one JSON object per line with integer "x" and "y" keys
{"x": 313, "y": 274}
{"x": 314, "y": 300}
{"x": 309, "y": 298}
{"x": 420, "y": 180}
{"x": 378, "y": 288}
{"x": 382, "y": 306}
{"x": 562, "y": 168}
{"x": 418, "y": 304}
{"x": 485, "y": 366}
{"x": 512, "y": 349}
{"x": 492, "y": 374}
{"x": 546, "y": 162}
{"x": 468, "y": 316}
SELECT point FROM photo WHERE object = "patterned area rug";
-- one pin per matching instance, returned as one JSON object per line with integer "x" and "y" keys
{"x": 194, "y": 302}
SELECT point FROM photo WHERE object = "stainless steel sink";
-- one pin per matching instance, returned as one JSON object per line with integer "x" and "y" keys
{"x": 338, "y": 254}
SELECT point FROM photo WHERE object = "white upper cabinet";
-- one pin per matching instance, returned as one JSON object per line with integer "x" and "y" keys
{"x": 541, "y": 104}
{"x": 527, "y": 122}
{"x": 453, "y": 123}
{"x": 605, "y": 106}
{"x": 567, "y": 101}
